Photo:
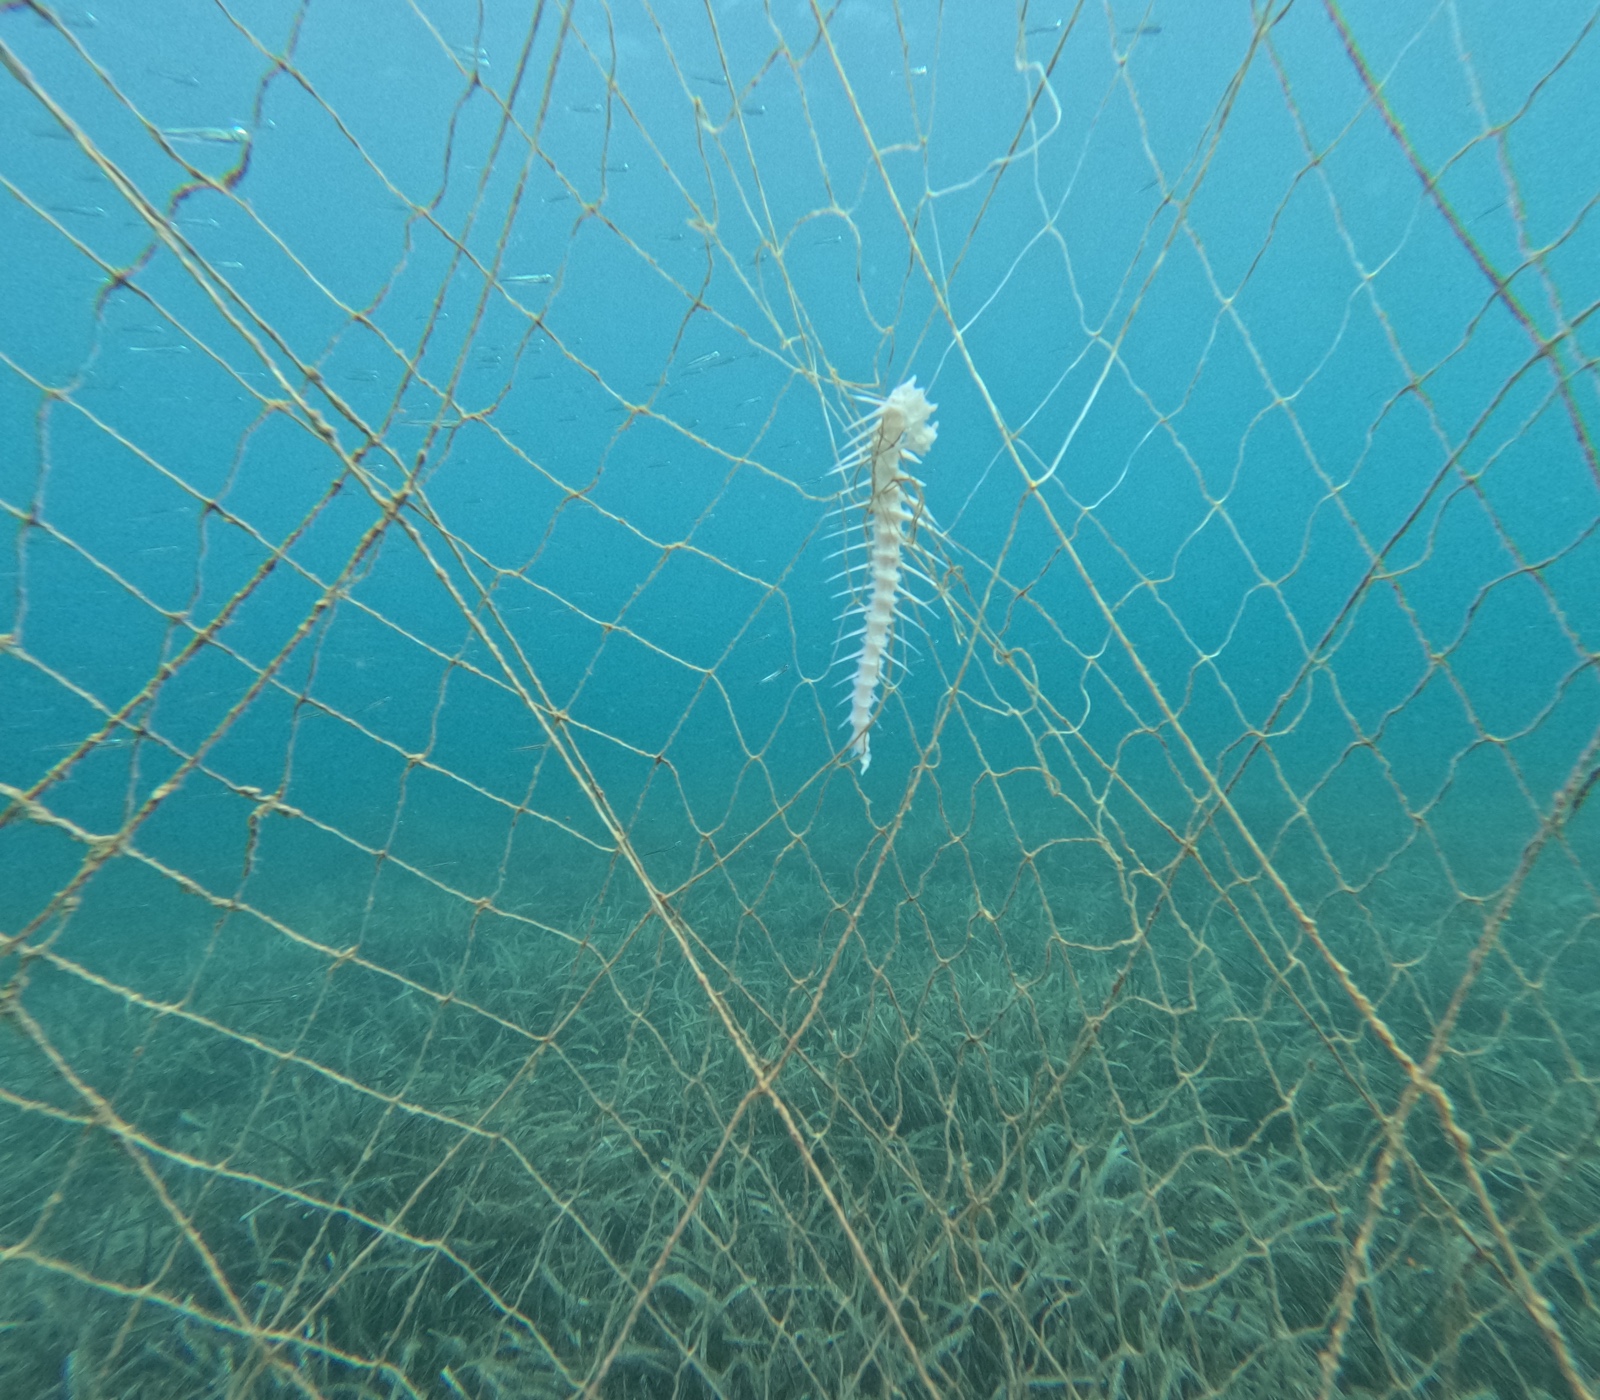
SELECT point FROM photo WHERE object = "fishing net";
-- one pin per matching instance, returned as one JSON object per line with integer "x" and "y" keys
{"x": 448, "y": 946}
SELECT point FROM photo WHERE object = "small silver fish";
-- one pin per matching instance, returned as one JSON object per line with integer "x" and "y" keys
{"x": 781, "y": 671}
{"x": 207, "y": 135}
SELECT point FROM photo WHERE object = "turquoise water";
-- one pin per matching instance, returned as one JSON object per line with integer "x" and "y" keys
{"x": 445, "y": 949}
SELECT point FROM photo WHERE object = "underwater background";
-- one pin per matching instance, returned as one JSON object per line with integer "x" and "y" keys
{"x": 446, "y": 948}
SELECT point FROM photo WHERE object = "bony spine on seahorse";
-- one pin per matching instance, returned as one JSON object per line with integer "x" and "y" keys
{"x": 893, "y": 431}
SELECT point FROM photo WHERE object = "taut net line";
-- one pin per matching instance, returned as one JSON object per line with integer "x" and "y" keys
{"x": 450, "y": 942}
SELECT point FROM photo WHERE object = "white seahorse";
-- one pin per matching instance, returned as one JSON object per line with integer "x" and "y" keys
{"x": 892, "y": 431}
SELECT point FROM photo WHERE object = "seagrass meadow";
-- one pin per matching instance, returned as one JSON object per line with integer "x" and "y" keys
{"x": 479, "y": 483}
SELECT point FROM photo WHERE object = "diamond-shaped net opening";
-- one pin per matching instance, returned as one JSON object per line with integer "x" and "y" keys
{"x": 450, "y": 945}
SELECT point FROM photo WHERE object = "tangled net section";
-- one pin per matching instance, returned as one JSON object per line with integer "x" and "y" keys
{"x": 446, "y": 948}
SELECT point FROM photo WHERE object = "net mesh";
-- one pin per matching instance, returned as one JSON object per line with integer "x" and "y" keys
{"x": 446, "y": 948}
